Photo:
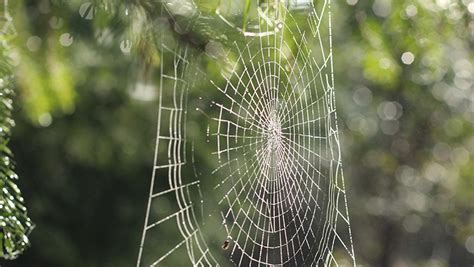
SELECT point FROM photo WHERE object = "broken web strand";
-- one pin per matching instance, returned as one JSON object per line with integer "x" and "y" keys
{"x": 340, "y": 182}
{"x": 246, "y": 249}
{"x": 171, "y": 140}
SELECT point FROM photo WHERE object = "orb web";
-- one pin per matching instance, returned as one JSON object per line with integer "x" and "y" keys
{"x": 248, "y": 166}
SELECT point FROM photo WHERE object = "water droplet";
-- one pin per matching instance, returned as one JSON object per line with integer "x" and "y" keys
{"x": 87, "y": 11}
{"x": 126, "y": 46}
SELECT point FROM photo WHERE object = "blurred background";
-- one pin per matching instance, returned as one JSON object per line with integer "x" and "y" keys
{"x": 86, "y": 104}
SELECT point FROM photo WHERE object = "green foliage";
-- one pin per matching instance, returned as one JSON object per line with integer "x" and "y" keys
{"x": 15, "y": 225}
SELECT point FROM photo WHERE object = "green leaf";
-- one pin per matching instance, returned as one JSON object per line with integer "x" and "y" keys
{"x": 246, "y": 13}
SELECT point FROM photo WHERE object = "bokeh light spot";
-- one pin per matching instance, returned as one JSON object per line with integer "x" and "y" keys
{"x": 411, "y": 10}
{"x": 33, "y": 43}
{"x": 408, "y": 58}
{"x": 352, "y": 2}
{"x": 66, "y": 39}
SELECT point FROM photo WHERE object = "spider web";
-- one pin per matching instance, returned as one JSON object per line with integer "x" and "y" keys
{"x": 266, "y": 188}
